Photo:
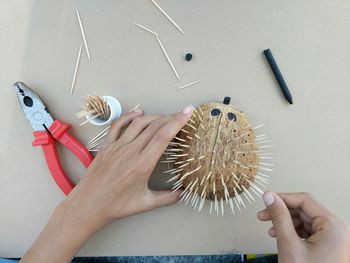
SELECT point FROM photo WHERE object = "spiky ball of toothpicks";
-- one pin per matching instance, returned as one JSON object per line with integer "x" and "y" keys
{"x": 95, "y": 106}
{"x": 215, "y": 157}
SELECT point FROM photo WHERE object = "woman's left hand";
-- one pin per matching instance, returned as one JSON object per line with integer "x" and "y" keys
{"x": 114, "y": 186}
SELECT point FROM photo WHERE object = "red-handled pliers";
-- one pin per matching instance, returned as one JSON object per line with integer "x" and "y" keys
{"x": 46, "y": 130}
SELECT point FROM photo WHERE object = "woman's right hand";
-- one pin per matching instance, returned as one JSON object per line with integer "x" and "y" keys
{"x": 306, "y": 232}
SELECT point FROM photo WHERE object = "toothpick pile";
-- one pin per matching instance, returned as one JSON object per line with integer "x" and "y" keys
{"x": 94, "y": 107}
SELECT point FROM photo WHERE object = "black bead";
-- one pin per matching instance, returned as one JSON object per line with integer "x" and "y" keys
{"x": 188, "y": 57}
{"x": 227, "y": 100}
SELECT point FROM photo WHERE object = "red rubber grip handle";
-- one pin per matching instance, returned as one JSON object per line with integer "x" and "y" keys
{"x": 59, "y": 131}
{"x": 53, "y": 161}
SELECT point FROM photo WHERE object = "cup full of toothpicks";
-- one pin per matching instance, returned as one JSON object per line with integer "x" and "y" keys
{"x": 100, "y": 110}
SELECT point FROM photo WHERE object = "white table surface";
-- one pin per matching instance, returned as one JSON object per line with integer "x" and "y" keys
{"x": 39, "y": 42}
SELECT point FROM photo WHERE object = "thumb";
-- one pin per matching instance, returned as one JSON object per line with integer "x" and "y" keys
{"x": 162, "y": 198}
{"x": 281, "y": 219}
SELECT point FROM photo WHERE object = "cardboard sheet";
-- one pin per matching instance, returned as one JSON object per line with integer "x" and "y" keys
{"x": 309, "y": 39}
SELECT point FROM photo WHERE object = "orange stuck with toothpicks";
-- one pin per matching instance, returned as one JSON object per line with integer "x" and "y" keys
{"x": 216, "y": 157}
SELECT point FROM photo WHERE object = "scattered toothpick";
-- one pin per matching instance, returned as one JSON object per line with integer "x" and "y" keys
{"x": 83, "y": 34}
{"x": 168, "y": 17}
{"x": 189, "y": 84}
{"x": 146, "y": 29}
{"x": 75, "y": 71}
{"x": 167, "y": 57}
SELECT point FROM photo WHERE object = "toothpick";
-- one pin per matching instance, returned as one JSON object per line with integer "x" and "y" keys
{"x": 187, "y": 187}
{"x": 75, "y": 71}
{"x": 245, "y": 195}
{"x": 189, "y": 173}
{"x": 201, "y": 204}
{"x": 222, "y": 207}
{"x": 261, "y": 135}
{"x": 237, "y": 204}
{"x": 202, "y": 181}
{"x": 185, "y": 164}
{"x": 231, "y": 205}
{"x": 267, "y": 164}
{"x": 146, "y": 29}
{"x": 197, "y": 136}
{"x": 86, "y": 121}
{"x": 173, "y": 178}
{"x": 177, "y": 188}
{"x": 179, "y": 139}
{"x": 248, "y": 193}
{"x": 189, "y": 84}
{"x": 168, "y": 17}
{"x": 179, "y": 155}
{"x": 266, "y": 146}
{"x": 189, "y": 125}
{"x": 168, "y": 171}
{"x": 135, "y": 108}
{"x": 263, "y": 175}
{"x": 209, "y": 175}
{"x": 167, "y": 57}
{"x": 259, "y": 126}
{"x": 83, "y": 34}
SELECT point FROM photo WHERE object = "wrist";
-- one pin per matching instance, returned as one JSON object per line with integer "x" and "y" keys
{"x": 61, "y": 239}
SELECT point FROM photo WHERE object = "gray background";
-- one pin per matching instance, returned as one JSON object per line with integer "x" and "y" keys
{"x": 39, "y": 42}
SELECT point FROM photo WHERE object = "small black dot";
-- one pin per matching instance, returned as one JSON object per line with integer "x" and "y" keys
{"x": 243, "y": 154}
{"x": 188, "y": 57}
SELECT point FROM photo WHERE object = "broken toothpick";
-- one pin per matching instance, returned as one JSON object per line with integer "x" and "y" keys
{"x": 161, "y": 46}
{"x": 146, "y": 29}
{"x": 189, "y": 84}
{"x": 167, "y": 57}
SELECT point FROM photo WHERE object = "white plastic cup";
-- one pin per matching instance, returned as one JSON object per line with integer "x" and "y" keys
{"x": 116, "y": 111}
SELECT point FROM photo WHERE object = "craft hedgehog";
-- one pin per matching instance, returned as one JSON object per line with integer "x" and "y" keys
{"x": 216, "y": 157}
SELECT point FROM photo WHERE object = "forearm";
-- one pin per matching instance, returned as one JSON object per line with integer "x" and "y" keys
{"x": 60, "y": 240}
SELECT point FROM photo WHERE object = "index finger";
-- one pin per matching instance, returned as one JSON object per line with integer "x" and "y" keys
{"x": 305, "y": 202}
{"x": 161, "y": 139}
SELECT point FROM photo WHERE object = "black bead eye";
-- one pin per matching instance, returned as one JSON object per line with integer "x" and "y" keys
{"x": 215, "y": 112}
{"x": 231, "y": 116}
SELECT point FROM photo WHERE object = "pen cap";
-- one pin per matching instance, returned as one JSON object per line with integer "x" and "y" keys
{"x": 115, "y": 108}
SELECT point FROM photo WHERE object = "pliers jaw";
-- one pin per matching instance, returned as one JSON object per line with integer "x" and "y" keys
{"x": 33, "y": 107}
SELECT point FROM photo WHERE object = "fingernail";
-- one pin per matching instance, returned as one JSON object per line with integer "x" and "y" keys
{"x": 138, "y": 110}
{"x": 269, "y": 198}
{"x": 187, "y": 110}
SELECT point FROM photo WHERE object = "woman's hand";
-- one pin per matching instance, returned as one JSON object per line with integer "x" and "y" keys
{"x": 306, "y": 232}
{"x": 114, "y": 186}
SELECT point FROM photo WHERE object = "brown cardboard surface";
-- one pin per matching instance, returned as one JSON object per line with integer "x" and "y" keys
{"x": 310, "y": 41}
